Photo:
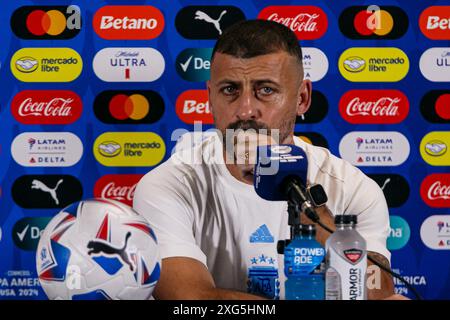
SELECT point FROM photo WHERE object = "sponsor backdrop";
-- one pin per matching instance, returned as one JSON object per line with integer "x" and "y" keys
{"x": 93, "y": 92}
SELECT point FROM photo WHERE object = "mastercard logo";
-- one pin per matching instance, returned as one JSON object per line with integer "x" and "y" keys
{"x": 435, "y": 106}
{"x": 128, "y": 106}
{"x": 46, "y": 22}
{"x": 373, "y": 22}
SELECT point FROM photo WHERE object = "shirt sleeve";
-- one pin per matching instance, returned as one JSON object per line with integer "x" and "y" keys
{"x": 367, "y": 201}
{"x": 164, "y": 200}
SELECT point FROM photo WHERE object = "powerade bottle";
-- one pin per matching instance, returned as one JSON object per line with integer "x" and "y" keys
{"x": 345, "y": 277}
{"x": 304, "y": 266}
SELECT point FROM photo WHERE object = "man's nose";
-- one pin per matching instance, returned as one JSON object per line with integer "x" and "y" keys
{"x": 248, "y": 108}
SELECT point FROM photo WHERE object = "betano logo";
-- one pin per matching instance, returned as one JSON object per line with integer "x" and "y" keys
{"x": 435, "y": 64}
{"x": 373, "y": 22}
{"x": 434, "y": 22}
{"x": 373, "y": 64}
{"x": 46, "y": 65}
{"x": 129, "y": 149}
{"x": 193, "y": 105}
{"x": 128, "y": 22}
{"x": 434, "y": 148}
{"x": 46, "y": 22}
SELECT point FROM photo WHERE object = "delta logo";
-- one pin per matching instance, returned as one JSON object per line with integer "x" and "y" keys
{"x": 434, "y": 106}
{"x": 46, "y": 65}
{"x": 193, "y": 106}
{"x": 46, "y": 107}
{"x": 46, "y": 22}
{"x": 374, "y": 148}
{"x": 128, "y": 22}
{"x": 385, "y": 64}
{"x": 128, "y": 64}
{"x": 435, "y": 232}
{"x": 434, "y": 148}
{"x": 435, "y": 64}
{"x": 46, "y": 149}
{"x": 373, "y": 22}
{"x": 374, "y": 106}
{"x": 129, "y": 107}
{"x": 308, "y": 22}
{"x": 434, "y": 22}
{"x": 129, "y": 149}
{"x": 118, "y": 187}
{"x": 435, "y": 190}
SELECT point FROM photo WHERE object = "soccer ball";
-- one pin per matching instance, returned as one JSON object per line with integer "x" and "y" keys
{"x": 98, "y": 249}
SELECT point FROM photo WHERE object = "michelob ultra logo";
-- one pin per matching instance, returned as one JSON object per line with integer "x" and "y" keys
{"x": 374, "y": 148}
{"x": 129, "y": 149}
{"x": 46, "y": 65}
{"x": 434, "y": 148}
{"x": 373, "y": 64}
{"x": 435, "y": 64}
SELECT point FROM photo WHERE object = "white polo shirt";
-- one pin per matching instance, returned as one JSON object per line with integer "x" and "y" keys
{"x": 199, "y": 210}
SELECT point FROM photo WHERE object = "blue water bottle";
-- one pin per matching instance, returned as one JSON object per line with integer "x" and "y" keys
{"x": 304, "y": 266}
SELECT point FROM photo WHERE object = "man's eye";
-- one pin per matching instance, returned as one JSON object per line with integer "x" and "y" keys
{"x": 229, "y": 90}
{"x": 266, "y": 90}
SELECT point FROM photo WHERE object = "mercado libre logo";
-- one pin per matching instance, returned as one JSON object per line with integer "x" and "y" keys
{"x": 129, "y": 149}
{"x": 47, "y": 149}
{"x": 128, "y": 64}
{"x": 373, "y": 22}
{"x": 128, "y": 107}
{"x": 434, "y": 148}
{"x": 374, "y": 148}
{"x": 46, "y": 22}
{"x": 373, "y": 64}
{"x": 128, "y": 22}
{"x": 46, "y": 65}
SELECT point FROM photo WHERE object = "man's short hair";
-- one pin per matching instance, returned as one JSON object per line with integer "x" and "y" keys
{"x": 252, "y": 38}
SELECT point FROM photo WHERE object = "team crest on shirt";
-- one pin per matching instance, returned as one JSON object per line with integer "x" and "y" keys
{"x": 263, "y": 277}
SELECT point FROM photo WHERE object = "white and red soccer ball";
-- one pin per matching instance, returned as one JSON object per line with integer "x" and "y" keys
{"x": 98, "y": 249}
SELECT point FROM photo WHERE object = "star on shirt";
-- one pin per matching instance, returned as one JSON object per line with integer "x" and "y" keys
{"x": 262, "y": 258}
{"x": 271, "y": 260}
{"x": 254, "y": 260}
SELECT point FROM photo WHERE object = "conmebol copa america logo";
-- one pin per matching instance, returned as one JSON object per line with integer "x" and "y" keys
{"x": 372, "y": 148}
{"x": 128, "y": 64}
{"x": 435, "y": 64}
{"x": 47, "y": 149}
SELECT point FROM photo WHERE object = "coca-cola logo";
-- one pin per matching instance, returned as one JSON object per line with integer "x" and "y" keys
{"x": 46, "y": 107}
{"x": 308, "y": 22}
{"x": 118, "y": 187}
{"x": 435, "y": 190}
{"x": 193, "y": 105}
{"x": 374, "y": 106}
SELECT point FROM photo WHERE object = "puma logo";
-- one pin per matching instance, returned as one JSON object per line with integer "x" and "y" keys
{"x": 99, "y": 247}
{"x": 200, "y": 15}
{"x": 36, "y": 184}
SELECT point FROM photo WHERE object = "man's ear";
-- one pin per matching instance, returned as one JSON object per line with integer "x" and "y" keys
{"x": 304, "y": 97}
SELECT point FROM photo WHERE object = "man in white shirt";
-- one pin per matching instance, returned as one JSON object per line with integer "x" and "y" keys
{"x": 217, "y": 237}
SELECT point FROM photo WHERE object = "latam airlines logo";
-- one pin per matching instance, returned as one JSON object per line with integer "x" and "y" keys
{"x": 315, "y": 64}
{"x": 435, "y": 232}
{"x": 128, "y": 107}
{"x": 434, "y": 22}
{"x": 374, "y": 106}
{"x": 193, "y": 106}
{"x": 373, "y": 22}
{"x": 128, "y": 22}
{"x": 434, "y": 106}
{"x": 206, "y": 22}
{"x": 373, "y": 148}
{"x": 47, "y": 149}
{"x": 435, "y": 64}
{"x": 129, "y": 149}
{"x": 193, "y": 64}
{"x": 373, "y": 64}
{"x": 46, "y": 65}
{"x": 46, "y": 107}
{"x": 46, "y": 22}
{"x": 435, "y": 190}
{"x": 128, "y": 64}
{"x": 308, "y": 22}
{"x": 434, "y": 148}
{"x": 118, "y": 187}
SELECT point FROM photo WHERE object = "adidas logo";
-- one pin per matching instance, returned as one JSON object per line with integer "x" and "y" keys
{"x": 262, "y": 234}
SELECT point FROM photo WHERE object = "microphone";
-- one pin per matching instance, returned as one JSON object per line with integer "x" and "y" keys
{"x": 280, "y": 175}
